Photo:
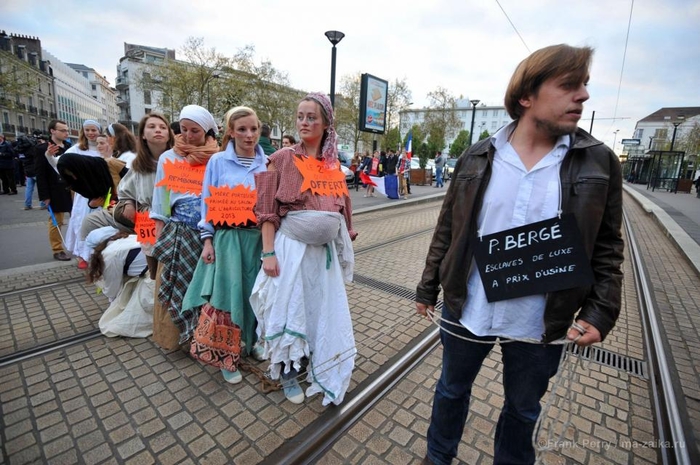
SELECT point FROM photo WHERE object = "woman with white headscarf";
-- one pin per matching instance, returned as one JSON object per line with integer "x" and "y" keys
{"x": 87, "y": 145}
{"x": 177, "y": 210}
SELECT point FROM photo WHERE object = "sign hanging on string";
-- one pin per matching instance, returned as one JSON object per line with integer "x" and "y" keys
{"x": 537, "y": 258}
{"x": 320, "y": 179}
{"x": 182, "y": 177}
{"x": 231, "y": 205}
{"x": 145, "y": 228}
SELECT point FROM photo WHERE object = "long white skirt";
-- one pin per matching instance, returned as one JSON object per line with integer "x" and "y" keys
{"x": 305, "y": 312}
{"x": 73, "y": 243}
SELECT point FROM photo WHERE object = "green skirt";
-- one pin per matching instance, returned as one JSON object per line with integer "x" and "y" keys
{"x": 228, "y": 282}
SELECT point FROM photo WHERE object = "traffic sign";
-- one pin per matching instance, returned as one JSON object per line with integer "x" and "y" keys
{"x": 631, "y": 141}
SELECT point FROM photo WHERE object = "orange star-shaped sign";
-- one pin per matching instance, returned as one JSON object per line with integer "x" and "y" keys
{"x": 231, "y": 205}
{"x": 320, "y": 179}
{"x": 182, "y": 177}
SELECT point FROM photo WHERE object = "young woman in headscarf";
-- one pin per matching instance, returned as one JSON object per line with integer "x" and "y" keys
{"x": 176, "y": 209}
{"x": 123, "y": 143}
{"x": 230, "y": 258}
{"x": 87, "y": 146}
{"x": 299, "y": 295}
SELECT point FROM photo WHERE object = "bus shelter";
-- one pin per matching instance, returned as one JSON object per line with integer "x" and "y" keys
{"x": 666, "y": 168}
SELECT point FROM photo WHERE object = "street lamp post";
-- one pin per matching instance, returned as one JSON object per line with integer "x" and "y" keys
{"x": 474, "y": 103}
{"x": 675, "y": 127}
{"x": 335, "y": 37}
{"x": 615, "y": 138}
{"x": 213, "y": 76}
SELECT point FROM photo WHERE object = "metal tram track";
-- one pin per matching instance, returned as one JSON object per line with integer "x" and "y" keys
{"x": 666, "y": 391}
{"x": 41, "y": 287}
{"x": 321, "y": 434}
{"x": 80, "y": 338}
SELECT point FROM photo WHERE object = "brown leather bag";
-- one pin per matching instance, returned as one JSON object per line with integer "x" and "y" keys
{"x": 165, "y": 333}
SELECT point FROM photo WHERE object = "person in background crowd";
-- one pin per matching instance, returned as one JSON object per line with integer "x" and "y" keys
{"x": 299, "y": 296}
{"x": 175, "y": 127}
{"x": 541, "y": 160}
{"x": 226, "y": 283}
{"x": 176, "y": 216}
{"x": 52, "y": 189}
{"x": 404, "y": 170}
{"x": 86, "y": 146}
{"x": 355, "y": 164}
{"x": 288, "y": 141}
{"x": 123, "y": 143}
{"x": 439, "y": 168}
{"x": 382, "y": 164}
{"x": 391, "y": 162}
{"x": 7, "y": 167}
{"x": 30, "y": 172}
{"x": 265, "y": 140}
{"x": 372, "y": 168}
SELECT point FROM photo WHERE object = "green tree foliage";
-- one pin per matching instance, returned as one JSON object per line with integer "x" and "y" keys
{"x": 398, "y": 98}
{"x": 460, "y": 144}
{"x": 484, "y": 135}
{"x": 689, "y": 141}
{"x": 392, "y": 139}
{"x": 347, "y": 113}
{"x": 15, "y": 79}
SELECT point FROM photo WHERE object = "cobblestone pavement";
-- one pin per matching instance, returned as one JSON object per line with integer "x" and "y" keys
{"x": 126, "y": 401}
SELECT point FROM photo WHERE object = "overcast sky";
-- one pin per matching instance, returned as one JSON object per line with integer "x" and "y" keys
{"x": 466, "y": 46}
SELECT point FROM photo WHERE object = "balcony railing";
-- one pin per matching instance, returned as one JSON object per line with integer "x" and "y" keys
{"x": 44, "y": 112}
{"x": 34, "y": 110}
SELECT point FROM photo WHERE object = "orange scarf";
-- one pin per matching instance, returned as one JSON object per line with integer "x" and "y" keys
{"x": 196, "y": 155}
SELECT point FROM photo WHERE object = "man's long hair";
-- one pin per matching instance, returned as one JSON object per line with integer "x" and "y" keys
{"x": 549, "y": 62}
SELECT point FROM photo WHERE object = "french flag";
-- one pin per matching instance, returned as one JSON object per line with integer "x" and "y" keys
{"x": 386, "y": 185}
{"x": 409, "y": 145}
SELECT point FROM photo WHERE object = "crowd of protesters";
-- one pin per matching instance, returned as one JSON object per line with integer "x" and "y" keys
{"x": 214, "y": 248}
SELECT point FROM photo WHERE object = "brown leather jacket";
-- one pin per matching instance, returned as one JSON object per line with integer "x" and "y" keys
{"x": 591, "y": 184}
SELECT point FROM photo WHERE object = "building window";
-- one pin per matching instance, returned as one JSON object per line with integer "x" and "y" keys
{"x": 5, "y": 117}
{"x": 33, "y": 123}
{"x": 494, "y": 126}
{"x": 148, "y": 111}
{"x": 94, "y": 87}
{"x": 20, "y": 120}
{"x": 147, "y": 97}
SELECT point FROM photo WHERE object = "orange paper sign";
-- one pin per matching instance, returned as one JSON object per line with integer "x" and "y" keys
{"x": 182, "y": 177}
{"x": 320, "y": 179}
{"x": 145, "y": 228}
{"x": 231, "y": 205}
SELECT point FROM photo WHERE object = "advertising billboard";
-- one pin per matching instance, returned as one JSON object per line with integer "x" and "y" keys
{"x": 373, "y": 99}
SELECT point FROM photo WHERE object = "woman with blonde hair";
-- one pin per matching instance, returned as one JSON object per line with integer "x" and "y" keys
{"x": 225, "y": 285}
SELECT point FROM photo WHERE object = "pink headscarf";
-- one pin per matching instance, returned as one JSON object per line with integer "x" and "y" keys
{"x": 329, "y": 151}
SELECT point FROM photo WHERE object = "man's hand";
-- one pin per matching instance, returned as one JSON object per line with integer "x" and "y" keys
{"x": 583, "y": 333}
{"x": 425, "y": 310}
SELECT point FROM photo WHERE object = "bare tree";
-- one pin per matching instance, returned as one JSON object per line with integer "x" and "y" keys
{"x": 15, "y": 79}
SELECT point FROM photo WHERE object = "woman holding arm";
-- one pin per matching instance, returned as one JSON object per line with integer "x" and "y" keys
{"x": 226, "y": 283}
{"x": 123, "y": 142}
{"x": 299, "y": 296}
{"x": 176, "y": 209}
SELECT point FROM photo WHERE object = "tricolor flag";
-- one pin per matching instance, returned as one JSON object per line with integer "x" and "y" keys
{"x": 409, "y": 146}
{"x": 386, "y": 185}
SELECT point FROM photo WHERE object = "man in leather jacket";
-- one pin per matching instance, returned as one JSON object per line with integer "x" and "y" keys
{"x": 539, "y": 167}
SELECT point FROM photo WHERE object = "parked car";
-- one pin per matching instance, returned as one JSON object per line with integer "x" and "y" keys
{"x": 349, "y": 175}
{"x": 450, "y": 167}
{"x": 345, "y": 158}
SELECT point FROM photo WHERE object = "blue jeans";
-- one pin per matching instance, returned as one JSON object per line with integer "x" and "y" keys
{"x": 438, "y": 177}
{"x": 527, "y": 369}
{"x": 29, "y": 191}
